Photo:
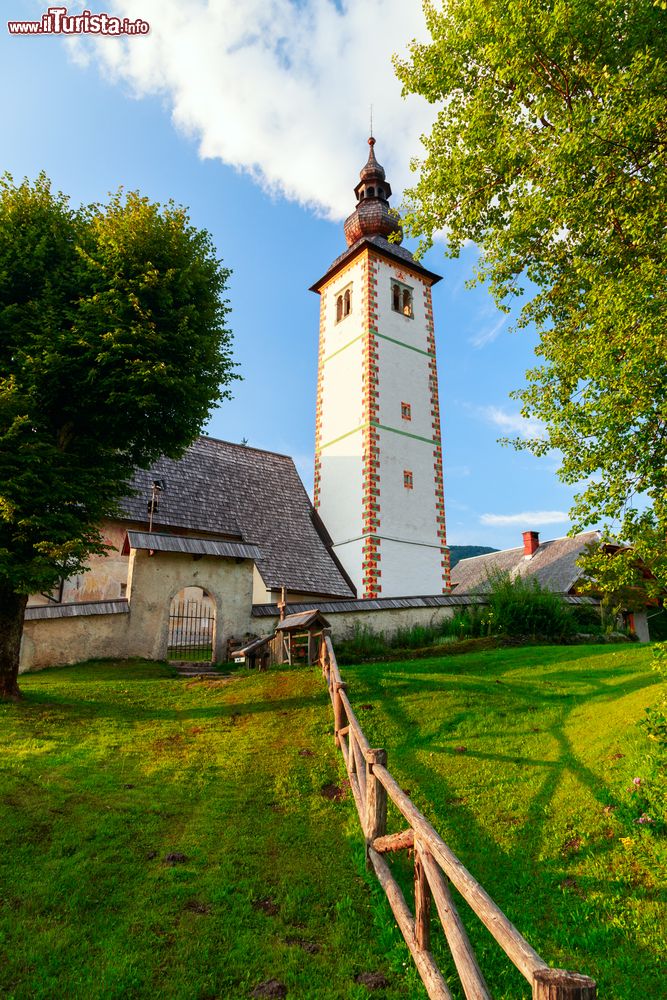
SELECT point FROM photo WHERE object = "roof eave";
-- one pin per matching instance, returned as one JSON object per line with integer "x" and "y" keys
{"x": 366, "y": 244}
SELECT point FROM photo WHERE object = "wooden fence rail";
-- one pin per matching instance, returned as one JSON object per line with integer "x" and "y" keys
{"x": 435, "y": 867}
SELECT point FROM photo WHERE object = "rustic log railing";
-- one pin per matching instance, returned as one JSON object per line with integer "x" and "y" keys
{"x": 435, "y": 867}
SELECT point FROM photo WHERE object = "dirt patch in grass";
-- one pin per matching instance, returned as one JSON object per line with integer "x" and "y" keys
{"x": 266, "y": 905}
{"x": 268, "y": 989}
{"x": 175, "y": 858}
{"x": 334, "y": 793}
{"x": 372, "y": 980}
{"x": 196, "y": 906}
{"x": 308, "y": 946}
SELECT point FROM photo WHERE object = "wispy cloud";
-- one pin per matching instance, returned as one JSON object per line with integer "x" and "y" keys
{"x": 261, "y": 86}
{"x": 487, "y": 334}
{"x": 529, "y": 518}
{"x": 512, "y": 422}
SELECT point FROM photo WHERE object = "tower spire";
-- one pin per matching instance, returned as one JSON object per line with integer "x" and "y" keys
{"x": 372, "y": 217}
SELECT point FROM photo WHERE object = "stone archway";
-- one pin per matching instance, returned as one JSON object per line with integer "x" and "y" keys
{"x": 192, "y": 626}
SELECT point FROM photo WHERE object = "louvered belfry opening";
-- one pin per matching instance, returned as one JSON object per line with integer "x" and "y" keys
{"x": 191, "y": 626}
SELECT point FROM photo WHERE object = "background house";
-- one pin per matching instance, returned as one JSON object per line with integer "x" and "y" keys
{"x": 553, "y": 564}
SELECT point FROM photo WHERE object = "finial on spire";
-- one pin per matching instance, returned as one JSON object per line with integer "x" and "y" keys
{"x": 371, "y": 132}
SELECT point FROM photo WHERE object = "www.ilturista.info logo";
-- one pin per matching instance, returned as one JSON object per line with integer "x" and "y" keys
{"x": 56, "y": 21}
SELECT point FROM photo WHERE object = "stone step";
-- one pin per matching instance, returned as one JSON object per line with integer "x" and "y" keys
{"x": 190, "y": 668}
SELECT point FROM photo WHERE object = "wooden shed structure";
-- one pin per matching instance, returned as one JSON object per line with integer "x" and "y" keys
{"x": 301, "y": 636}
{"x": 297, "y": 639}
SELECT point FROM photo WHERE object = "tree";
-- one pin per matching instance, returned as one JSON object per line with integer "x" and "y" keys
{"x": 549, "y": 153}
{"x": 113, "y": 349}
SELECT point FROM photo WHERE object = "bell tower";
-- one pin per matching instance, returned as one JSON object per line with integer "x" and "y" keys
{"x": 378, "y": 451}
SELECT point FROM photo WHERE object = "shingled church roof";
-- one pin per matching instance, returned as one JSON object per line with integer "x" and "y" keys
{"x": 229, "y": 490}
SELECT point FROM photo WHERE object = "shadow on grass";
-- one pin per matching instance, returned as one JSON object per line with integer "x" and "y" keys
{"x": 536, "y": 892}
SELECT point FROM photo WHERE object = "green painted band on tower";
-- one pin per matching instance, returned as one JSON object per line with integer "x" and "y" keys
{"x": 382, "y": 336}
{"x": 401, "y": 343}
{"x": 395, "y": 430}
{"x": 346, "y": 435}
{"x": 380, "y": 427}
{"x": 343, "y": 348}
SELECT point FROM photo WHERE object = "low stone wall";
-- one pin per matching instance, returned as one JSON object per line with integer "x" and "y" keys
{"x": 51, "y": 641}
{"x": 384, "y": 617}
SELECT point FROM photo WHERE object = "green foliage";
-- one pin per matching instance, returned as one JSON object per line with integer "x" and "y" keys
{"x": 113, "y": 349}
{"x": 520, "y": 607}
{"x": 656, "y": 722}
{"x": 587, "y": 618}
{"x": 549, "y": 152}
{"x": 522, "y": 759}
{"x": 108, "y": 768}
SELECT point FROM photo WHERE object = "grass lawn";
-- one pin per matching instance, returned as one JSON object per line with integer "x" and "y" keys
{"x": 106, "y": 770}
{"x": 523, "y": 760}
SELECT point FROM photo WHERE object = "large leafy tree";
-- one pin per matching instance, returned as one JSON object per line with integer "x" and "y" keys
{"x": 549, "y": 152}
{"x": 113, "y": 348}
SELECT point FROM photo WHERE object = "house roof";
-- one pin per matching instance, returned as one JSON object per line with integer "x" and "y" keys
{"x": 246, "y": 494}
{"x": 553, "y": 565}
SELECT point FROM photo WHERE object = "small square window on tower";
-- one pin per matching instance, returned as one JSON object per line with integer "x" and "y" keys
{"x": 407, "y": 480}
{"x": 401, "y": 299}
{"x": 406, "y": 411}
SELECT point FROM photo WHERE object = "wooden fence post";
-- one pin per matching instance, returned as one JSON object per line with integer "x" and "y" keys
{"x": 422, "y": 904}
{"x": 339, "y": 715}
{"x": 376, "y": 799}
{"x": 558, "y": 984}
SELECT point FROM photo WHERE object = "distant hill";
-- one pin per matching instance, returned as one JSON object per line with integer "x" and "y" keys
{"x": 459, "y": 552}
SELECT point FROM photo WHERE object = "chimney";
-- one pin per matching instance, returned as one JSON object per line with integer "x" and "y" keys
{"x": 531, "y": 543}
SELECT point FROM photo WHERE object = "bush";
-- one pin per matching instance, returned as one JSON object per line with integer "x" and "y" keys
{"x": 587, "y": 618}
{"x": 522, "y": 607}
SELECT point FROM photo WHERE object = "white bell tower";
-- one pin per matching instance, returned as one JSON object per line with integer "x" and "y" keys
{"x": 378, "y": 450}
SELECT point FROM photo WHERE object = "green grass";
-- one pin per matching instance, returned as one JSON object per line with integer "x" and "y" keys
{"x": 106, "y": 769}
{"x": 537, "y": 805}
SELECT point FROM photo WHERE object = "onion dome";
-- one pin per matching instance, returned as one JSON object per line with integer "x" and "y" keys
{"x": 372, "y": 217}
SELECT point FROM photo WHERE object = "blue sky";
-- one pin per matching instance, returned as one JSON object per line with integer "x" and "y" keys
{"x": 255, "y": 116}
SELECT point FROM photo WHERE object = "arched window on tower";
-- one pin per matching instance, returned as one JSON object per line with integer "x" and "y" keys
{"x": 343, "y": 303}
{"x": 371, "y": 192}
{"x": 401, "y": 299}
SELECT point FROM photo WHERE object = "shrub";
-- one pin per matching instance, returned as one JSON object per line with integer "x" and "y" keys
{"x": 522, "y": 607}
{"x": 587, "y": 618}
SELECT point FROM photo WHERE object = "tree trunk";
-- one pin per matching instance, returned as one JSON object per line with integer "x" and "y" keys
{"x": 12, "y": 609}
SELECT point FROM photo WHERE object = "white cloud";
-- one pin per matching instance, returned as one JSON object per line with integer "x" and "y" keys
{"x": 513, "y": 423}
{"x": 529, "y": 518}
{"x": 489, "y": 333}
{"x": 278, "y": 89}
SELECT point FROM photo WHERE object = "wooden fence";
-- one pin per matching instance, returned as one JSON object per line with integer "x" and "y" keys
{"x": 435, "y": 866}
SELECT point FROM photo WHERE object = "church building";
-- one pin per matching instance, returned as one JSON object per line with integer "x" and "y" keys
{"x": 378, "y": 449}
